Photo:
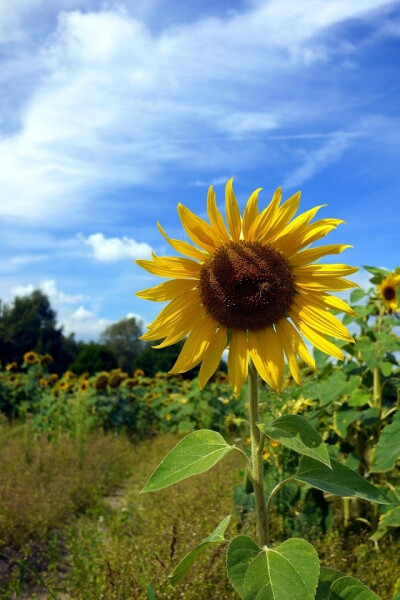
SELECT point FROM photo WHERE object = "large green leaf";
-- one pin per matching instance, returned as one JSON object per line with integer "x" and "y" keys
{"x": 290, "y": 570}
{"x": 356, "y": 295}
{"x": 343, "y": 418}
{"x": 389, "y": 519}
{"x": 340, "y": 480}
{"x": 216, "y": 537}
{"x": 368, "y": 350}
{"x": 348, "y": 588}
{"x": 326, "y": 578}
{"x": 387, "y": 450}
{"x": 195, "y": 454}
{"x": 241, "y": 552}
{"x": 296, "y": 433}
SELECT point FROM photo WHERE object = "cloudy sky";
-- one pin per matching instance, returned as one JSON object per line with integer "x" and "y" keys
{"x": 113, "y": 112}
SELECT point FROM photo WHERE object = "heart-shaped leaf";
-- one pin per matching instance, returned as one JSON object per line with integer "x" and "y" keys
{"x": 326, "y": 578}
{"x": 296, "y": 433}
{"x": 387, "y": 450}
{"x": 241, "y": 552}
{"x": 216, "y": 537}
{"x": 348, "y": 588}
{"x": 290, "y": 570}
{"x": 195, "y": 454}
{"x": 338, "y": 480}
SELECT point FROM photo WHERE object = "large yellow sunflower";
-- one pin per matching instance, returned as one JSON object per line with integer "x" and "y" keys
{"x": 250, "y": 286}
{"x": 388, "y": 289}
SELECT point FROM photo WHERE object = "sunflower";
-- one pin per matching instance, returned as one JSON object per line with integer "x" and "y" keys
{"x": 250, "y": 285}
{"x": 388, "y": 289}
{"x": 31, "y": 358}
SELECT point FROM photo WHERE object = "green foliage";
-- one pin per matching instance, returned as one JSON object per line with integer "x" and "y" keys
{"x": 387, "y": 450}
{"x": 195, "y": 454}
{"x": 94, "y": 358}
{"x": 216, "y": 537}
{"x": 122, "y": 338}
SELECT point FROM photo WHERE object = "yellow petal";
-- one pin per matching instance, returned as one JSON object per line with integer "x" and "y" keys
{"x": 321, "y": 270}
{"x": 257, "y": 347}
{"x": 212, "y": 356}
{"x": 316, "y": 339}
{"x": 167, "y": 290}
{"x": 320, "y": 319}
{"x": 274, "y": 357}
{"x": 282, "y": 217}
{"x": 177, "y": 306}
{"x": 180, "y": 327}
{"x": 250, "y": 213}
{"x": 179, "y": 268}
{"x": 265, "y": 218}
{"x": 331, "y": 302}
{"x": 314, "y": 232}
{"x": 286, "y": 239}
{"x": 238, "y": 359}
{"x": 286, "y": 329}
{"x": 216, "y": 220}
{"x": 308, "y": 256}
{"x": 326, "y": 283}
{"x": 183, "y": 247}
{"x": 199, "y": 231}
{"x": 195, "y": 345}
{"x": 232, "y": 212}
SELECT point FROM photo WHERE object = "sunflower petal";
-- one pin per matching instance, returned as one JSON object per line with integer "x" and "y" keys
{"x": 286, "y": 329}
{"x": 316, "y": 339}
{"x": 216, "y": 219}
{"x": 199, "y": 231}
{"x": 196, "y": 344}
{"x": 257, "y": 346}
{"x": 321, "y": 270}
{"x": 232, "y": 212}
{"x": 250, "y": 213}
{"x": 264, "y": 219}
{"x": 182, "y": 326}
{"x": 183, "y": 247}
{"x": 282, "y": 218}
{"x": 320, "y": 319}
{"x": 167, "y": 290}
{"x": 337, "y": 284}
{"x": 212, "y": 356}
{"x": 327, "y": 301}
{"x": 172, "y": 312}
{"x": 308, "y": 256}
{"x": 314, "y": 232}
{"x": 179, "y": 268}
{"x": 238, "y": 359}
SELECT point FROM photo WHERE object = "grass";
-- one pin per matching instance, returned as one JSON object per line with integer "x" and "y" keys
{"x": 124, "y": 546}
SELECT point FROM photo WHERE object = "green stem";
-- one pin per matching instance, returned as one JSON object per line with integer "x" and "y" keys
{"x": 271, "y": 497}
{"x": 257, "y": 467}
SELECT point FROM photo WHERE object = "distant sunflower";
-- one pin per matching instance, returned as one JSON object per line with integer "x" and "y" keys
{"x": 31, "y": 358}
{"x": 388, "y": 291}
{"x": 250, "y": 286}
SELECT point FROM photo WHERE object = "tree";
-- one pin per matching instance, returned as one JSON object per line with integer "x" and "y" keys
{"x": 93, "y": 358}
{"x": 29, "y": 323}
{"x": 123, "y": 339}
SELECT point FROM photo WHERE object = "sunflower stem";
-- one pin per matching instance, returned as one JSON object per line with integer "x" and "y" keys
{"x": 257, "y": 467}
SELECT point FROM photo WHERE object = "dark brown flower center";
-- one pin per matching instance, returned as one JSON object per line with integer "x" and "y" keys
{"x": 245, "y": 285}
{"x": 389, "y": 293}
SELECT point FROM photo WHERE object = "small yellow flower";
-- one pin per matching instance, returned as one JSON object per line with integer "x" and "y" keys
{"x": 138, "y": 373}
{"x": 43, "y": 382}
{"x": 266, "y": 455}
{"x": 53, "y": 377}
{"x": 168, "y": 417}
{"x": 31, "y": 358}
{"x": 46, "y": 360}
{"x": 101, "y": 382}
{"x": 84, "y": 386}
{"x": 12, "y": 366}
{"x": 388, "y": 291}
{"x": 274, "y": 444}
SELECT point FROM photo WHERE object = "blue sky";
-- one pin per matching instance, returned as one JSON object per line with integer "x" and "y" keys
{"x": 113, "y": 112}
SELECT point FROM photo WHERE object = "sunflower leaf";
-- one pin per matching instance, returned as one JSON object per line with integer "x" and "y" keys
{"x": 348, "y": 588}
{"x": 326, "y": 578}
{"x": 216, "y": 537}
{"x": 339, "y": 480}
{"x": 296, "y": 433}
{"x": 195, "y": 454}
{"x": 387, "y": 450}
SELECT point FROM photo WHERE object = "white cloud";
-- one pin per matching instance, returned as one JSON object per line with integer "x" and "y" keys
{"x": 84, "y": 323}
{"x": 116, "y": 104}
{"x": 114, "y": 249}
{"x": 49, "y": 288}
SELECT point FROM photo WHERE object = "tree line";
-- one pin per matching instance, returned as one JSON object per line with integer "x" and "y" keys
{"x": 30, "y": 323}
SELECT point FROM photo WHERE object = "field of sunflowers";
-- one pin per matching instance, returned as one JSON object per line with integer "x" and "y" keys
{"x": 354, "y": 405}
